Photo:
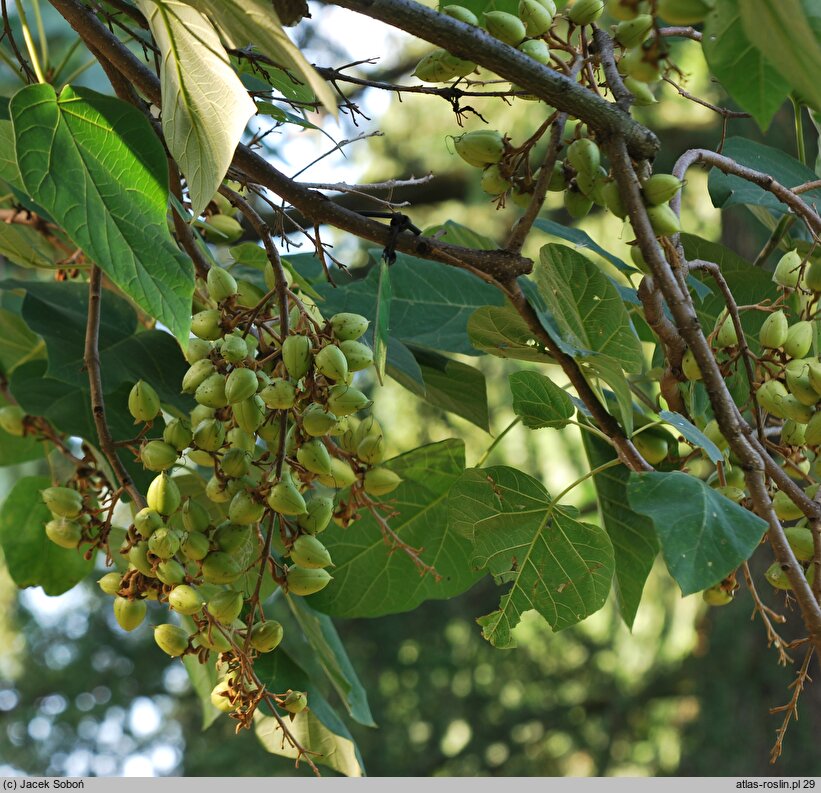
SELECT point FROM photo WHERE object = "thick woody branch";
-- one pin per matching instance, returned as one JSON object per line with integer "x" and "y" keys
{"x": 91, "y": 361}
{"x": 474, "y": 44}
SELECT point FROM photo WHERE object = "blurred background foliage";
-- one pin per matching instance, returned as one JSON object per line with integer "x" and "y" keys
{"x": 686, "y": 693}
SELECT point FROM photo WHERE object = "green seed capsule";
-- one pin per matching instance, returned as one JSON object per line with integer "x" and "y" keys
{"x": 505, "y": 27}
{"x": 296, "y": 355}
{"x": 641, "y": 92}
{"x": 314, "y": 456}
{"x": 235, "y": 463}
{"x": 138, "y": 557}
{"x": 234, "y": 349}
{"x": 793, "y": 434}
{"x": 535, "y": 16}
{"x": 62, "y": 501}
{"x": 726, "y": 335}
{"x": 735, "y": 494}
{"x": 317, "y": 421}
{"x": 220, "y": 568}
{"x": 716, "y": 596}
{"x": 209, "y": 435}
{"x": 684, "y": 12}
{"x": 788, "y": 269}
{"x": 577, "y": 203}
{"x": 791, "y": 408}
{"x": 536, "y": 49}
{"x": 381, "y": 481}
{"x": 663, "y": 220}
{"x": 214, "y": 639}
{"x": 163, "y": 495}
{"x": 164, "y": 543}
{"x": 585, "y": 12}
{"x": 129, "y": 613}
{"x": 244, "y": 509}
{"x": 177, "y": 433}
{"x": 196, "y": 375}
{"x": 222, "y": 229}
{"x": 480, "y": 148}
{"x": 440, "y": 66}
{"x": 623, "y": 9}
{"x": 319, "y": 511}
{"x": 308, "y": 551}
{"x": 206, "y": 324}
{"x": 12, "y": 420}
{"x": 171, "y": 639}
{"x": 171, "y": 572}
{"x": 266, "y": 636}
{"x": 660, "y": 188}
{"x": 800, "y": 540}
{"x": 306, "y": 581}
{"x": 221, "y": 284}
{"x": 185, "y": 600}
{"x": 774, "y": 330}
{"x": 812, "y": 435}
{"x": 110, "y": 583}
{"x": 195, "y": 546}
{"x": 371, "y": 449}
{"x": 295, "y": 701}
{"x": 348, "y": 327}
{"x": 690, "y": 367}
{"x": 64, "y": 532}
{"x": 341, "y": 475}
{"x": 812, "y": 276}
{"x": 240, "y": 385}
{"x": 286, "y": 499}
{"x": 784, "y": 508}
{"x": 344, "y": 400}
{"x": 613, "y": 201}
{"x": 777, "y": 577}
{"x": 358, "y": 356}
{"x": 249, "y": 414}
{"x": 211, "y": 392}
{"x": 771, "y": 396}
{"x": 653, "y": 448}
{"x": 799, "y": 339}
{"x": 633, "y": 32}
{"x": 641, "y": 65}
{"x": 799, "y": 384}
{"x": 461, "y": 13}
{"x": 279, "y": 395}
{"x": 225, "y": 606}
{"x": 220, "y": 695}
{"x": 195, "y": 516}
{"x": 158, "y": 455}
{"x": 197, "y": 350}
{"x": 238, "y": 438}
{"x": 584, "y": 156}
{"x": 143, "y": 402}
{"x": 331, "y": 363}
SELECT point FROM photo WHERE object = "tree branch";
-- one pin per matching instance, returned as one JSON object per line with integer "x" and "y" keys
{"x": 91, "y": 362}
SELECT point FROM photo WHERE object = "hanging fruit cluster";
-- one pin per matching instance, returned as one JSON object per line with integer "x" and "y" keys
{"x": 276, "y": 426}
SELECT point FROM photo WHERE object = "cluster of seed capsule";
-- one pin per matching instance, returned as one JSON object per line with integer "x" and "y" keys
{"x": 276, "y": 425}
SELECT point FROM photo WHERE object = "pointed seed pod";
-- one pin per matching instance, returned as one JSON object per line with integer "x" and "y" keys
{"x": 716, "y": 596}
{"x": 235, "y": 463}
{"x": 343, "y": 400}
{"x": 684, "y": 12}
{"x": 62, "y": 501}
{"x": 222, "y": 229}
{"x": 209, "y": 435}
{"x": 238, "y": 438}
{"x": 660, "y": 188}
{"x": 788, "y": 269}
{"x": 171, "y": 572}
{"x": 480, "y": 148}
{"x": 317, "y": 421}
{"x": 341, "y": 475}
{"x": 381, "y": 481}
{"x": 234, "y": 349}
{"x": 221, "y": 284}
{"x": 243, "y": 509}
{"x": 319, "y": 511}
{"x": 690, "y": 367}
{"x": 279, "y": 395}
{"x": 505, "y": 27}
{"x": 358, "y": 356}
{"x": 462, "y": 14}
{"x": 211, "y": 392}
{"x": 633, "y": 32}
{"x": 225, "y": 606}
{"x": 171, "y": 639}
{"x": 195, "y": 516}
{"x": 663, "y": 220}
{"x": 266, "y": 636}
{"x": 64, "y": 532}
{"x": 177, "y": 433}
{"x": 799, "y": 339}
{"x": 308, "y": 551}
{"x": 206, "y": 324}
{"x": 774, "y": 330}
{"x": 296, "y": 355}
{"x": 143, "y": 402}
{"x": 249, "y": 414}
{"x": 241, "y": 384}
{"x": 331, "y": 363}
{"x": 641, "y": 92}
{"x": 110, "y": 583}
{"x": 726, "y": 335}
{"x": 197, "y": 350}
{"x": 371, "y": 449}
{"x": 163, "y": 495}
{"x": 536, "y": 17}
{"x": 306, "y": 581}
{"x": 800, "y": 540}
{"x": 584, "y": 155}
{"x": 536, "y": 49}
{"x": 772, "y": 396}
{"x": 314, "y": 456}
{"x": 295, "y": 701}
{"x": 220, "y": 568}
{"x": 585, "y": 12}
{"x": 286, "y": 499}
{"x": 129, "y": 613}
{"x": 185, "y": 599}
{"x": 348, "y": 327}
{"x": 440, "y": 66}
{"x": 158, "y": 455}
{"x": 164, "y": 543}
{"x": 195, "y": 546}
{"x": 577, "y": 203}
{"x": 196, "y": 375}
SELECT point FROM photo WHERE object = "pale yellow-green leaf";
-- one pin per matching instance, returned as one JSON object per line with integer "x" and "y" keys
{"x": 244, "y": 22}
{"x": 205, "y": 107}
{"x": 327, "y": 748}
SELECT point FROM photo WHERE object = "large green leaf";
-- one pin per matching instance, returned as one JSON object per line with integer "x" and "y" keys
{"x": 32, "y": 559}
{"x": 635, "y": 544}
{"x": 19, "y": 343}
{"x": 742, "y": 69}
{"x": 704, "y": 536}
{"x": 582, "y": 240}
{"x": 108, "y": 193}
{"x": 555, "y": 563}
{"x": 58, "y": 311}
{"x": 500, "y": 331}
{"x": 27, "y": 247}
{"x": 205, "y": 106}
{"x": 370, "y": 578}
{"x": 318, "y": 729}
{"x": 598, "y": 369}
{"x": 328, "y": 650}
{"x": 382, "y": 319}
{"x": 786, "y": 31}
{"x": 244, "y": 22}
{"x": 539, "y": 402}
{"x": 727, "y": 190}
{"x": 586, "y": 308}
{"x": 430, "y": 305}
